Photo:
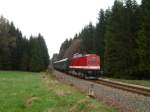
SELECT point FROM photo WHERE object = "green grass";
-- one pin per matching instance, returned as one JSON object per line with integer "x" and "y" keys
{"x": 35, "y": 92}
{"x": 137, "y": 82}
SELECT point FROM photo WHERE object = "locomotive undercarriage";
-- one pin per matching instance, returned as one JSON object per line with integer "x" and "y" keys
{"x": 86, "y": 74}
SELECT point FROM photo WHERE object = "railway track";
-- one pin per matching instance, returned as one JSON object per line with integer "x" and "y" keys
{"x": 124, "y": 86}
{"x": 119, "y": 98}
{"x": 141, "y": 90}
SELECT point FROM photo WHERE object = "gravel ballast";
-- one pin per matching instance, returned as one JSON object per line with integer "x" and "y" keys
{"x": 123, "y": 100}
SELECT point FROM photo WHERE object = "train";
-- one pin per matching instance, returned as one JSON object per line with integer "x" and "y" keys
{"x": 85, "y": 66}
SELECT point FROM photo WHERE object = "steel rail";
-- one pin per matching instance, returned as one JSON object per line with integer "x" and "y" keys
{"x": 124, "y": 86}
{"x": 141, "y": 90}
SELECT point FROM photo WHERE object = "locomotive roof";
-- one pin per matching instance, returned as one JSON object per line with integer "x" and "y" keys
{"x": 83, "y": 55}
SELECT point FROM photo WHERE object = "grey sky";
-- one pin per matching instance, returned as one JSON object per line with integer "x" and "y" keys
{"x": 56, "y": 20}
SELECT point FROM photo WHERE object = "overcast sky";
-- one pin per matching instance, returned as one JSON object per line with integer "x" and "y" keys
{"x": 56, "y": 20}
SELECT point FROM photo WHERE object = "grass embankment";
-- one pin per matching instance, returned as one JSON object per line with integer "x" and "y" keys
{"x": 137, "y": 82}
{"x": 34, "y": 92}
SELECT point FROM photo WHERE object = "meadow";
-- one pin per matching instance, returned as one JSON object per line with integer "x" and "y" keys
{"x": 37, "y": 92}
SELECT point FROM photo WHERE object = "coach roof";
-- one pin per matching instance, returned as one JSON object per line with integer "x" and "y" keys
{"x": 61, "y": 60}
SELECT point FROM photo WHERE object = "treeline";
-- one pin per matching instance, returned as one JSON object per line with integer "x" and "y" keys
{"x": 18, "y": 52}
{"x": 121, "y": 38}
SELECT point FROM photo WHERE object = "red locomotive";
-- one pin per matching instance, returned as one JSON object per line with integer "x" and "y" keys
{"x": 84, "y": 66}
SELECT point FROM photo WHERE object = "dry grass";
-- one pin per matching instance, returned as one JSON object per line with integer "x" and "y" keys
{"x": 30, "y": 101}
{"x": 37, "y": 92}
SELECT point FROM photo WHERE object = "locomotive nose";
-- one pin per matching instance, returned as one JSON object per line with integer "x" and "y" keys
{"x": 93, "y": 61}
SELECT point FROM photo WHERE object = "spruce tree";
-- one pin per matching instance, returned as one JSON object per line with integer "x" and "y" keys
{"x": 131, "y": 28}
{"x": 39, "y": 58}
{"x": 44, "y": 52}
{"x": 34, "y": 64}
{"x": 115, "y": 56}
{"x": 87, "y": 36}
{"x": 7, "y": 44}
{"x": 19, "y": 53}
{"x": 64, "y": 46}
{"x": 99, "y": 35}
{"x": 24, "y": 59}
{"x": 144, "y": 40}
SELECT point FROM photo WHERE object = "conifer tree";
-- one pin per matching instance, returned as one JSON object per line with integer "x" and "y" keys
{"x": 99, "y": 36}
{"x": 131, "y": 28}
{"x": 44, "y": 52}
{"x": 144, "y": 40}
{"x": 16, "y": 50}
{"x": 87, "y": 36}
{"x": 24, "y": 59}
{"x": 115, "y": 48}
{"x": 39, "y": 58}
{"x": 64, "y": 46}
{"x": 7, "y": 44}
